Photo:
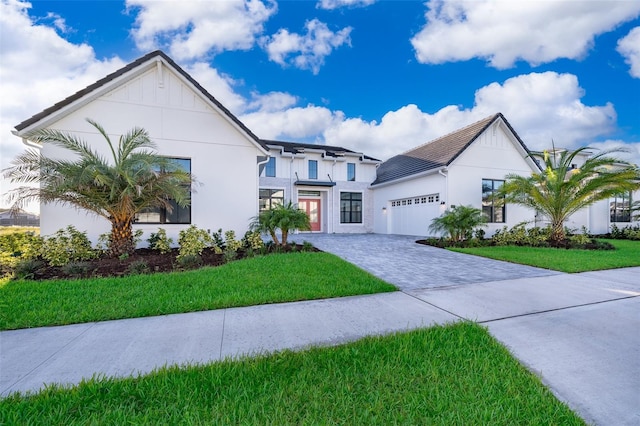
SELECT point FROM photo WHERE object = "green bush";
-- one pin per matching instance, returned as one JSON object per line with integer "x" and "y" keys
{"x": 76, "y": 269}
{"x": 520, "y": 235}
{"x": 27, "y": 268}
{"x": 193, "y": 241}
{"x": 67, "y": 245}
{"x": 252, "y": 240}
{"x": 138, "y": 267}
{"x": 231, "y": 244}
{"x": 17, "y": 247}
{"x": 189, "y": 261}
{"x": 159, "y": 241}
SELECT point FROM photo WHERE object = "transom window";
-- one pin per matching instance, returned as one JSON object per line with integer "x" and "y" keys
{"x": 620, "y": 208}
{"x": 313, "y": 169}
{"x": 433, "y": 198}
{"x": 494, "y": 208}
{"x": 350, "y": 207}
{"x": 177, "y": 214}
{"x": 351, "y": 172}
{"x": 270, "y": 198}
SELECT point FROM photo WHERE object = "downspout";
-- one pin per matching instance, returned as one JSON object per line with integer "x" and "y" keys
{"x": 446, "y": 184}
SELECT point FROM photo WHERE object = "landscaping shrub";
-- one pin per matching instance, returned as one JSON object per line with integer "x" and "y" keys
{"x": 76, "y": 269}
{"x": 189, "y": 261}
{"x": 193, "y": 241}
{"x": 27, "y": 268}
{"x": 159, "y": 241}
{"x": 252, "y": 240}
{"x": 17, "y": 247}
{"x": 138, "y": 267}
{"x": 231, "y": 244}
{"x": 67, "y": 245}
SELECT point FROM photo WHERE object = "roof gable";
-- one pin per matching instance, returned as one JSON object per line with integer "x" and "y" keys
{"x": 438, "y": 153}
{"x": 130, "y": 70}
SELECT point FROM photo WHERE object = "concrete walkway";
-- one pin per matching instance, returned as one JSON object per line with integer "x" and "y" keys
{"x": 578, "y": 332}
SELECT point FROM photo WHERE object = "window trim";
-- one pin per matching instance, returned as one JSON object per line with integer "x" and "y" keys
{"x": 358, "y": 219}
{"x": 492, "y": 206}
{"x": 271, "y": 198}
{"x": 351, "y": 172}
{"x": 625, "y": 215}
{"x": 313, "y": 175}
{"x": 163, "y": 213}
{"x": 270, "y": 166}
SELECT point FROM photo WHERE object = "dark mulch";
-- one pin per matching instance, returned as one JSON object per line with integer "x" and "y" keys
{"x": 142, "y": 260}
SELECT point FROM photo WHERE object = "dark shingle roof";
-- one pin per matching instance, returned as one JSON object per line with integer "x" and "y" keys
{"x": 435, "y": 154}
{"x": 158, "y": 53}
{"x": 298, "y": 147}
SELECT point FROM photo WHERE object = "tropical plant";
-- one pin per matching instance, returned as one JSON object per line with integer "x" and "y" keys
{"x": 561, "y": 190}
{"x": 458, "y": 222}
{"x": 134, "y": 179}
{"x": 284, "y": 217}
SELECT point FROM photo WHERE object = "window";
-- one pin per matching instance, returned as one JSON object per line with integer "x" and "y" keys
{"x": 177, "y": 214}
{"x": 313, "y": 169}
{"x": 350, "y": 207}
{"x": 620, "y": 208}
{"x": 270, "y": 198}
{"x": 495, "y": 209}
{"x": 351, "y": 172}
{"x": 270, "y": 168}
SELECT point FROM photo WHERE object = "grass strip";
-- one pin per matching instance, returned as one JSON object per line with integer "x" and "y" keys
{"x": 259, "y": 280}
{"x": 627, "y": 254}
{"x": 444, "y": 375}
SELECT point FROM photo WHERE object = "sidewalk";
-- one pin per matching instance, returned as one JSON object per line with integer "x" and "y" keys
{"x": 579, "y": 332}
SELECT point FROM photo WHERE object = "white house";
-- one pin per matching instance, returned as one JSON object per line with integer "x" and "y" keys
{"x": 332, "y": 184}
{"x": 342, "y": 191}
{"x": 185, "y": 121}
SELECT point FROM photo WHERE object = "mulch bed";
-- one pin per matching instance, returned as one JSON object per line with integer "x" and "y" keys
{"x": 565, "y": 244}
{"x": 155, "y": 262}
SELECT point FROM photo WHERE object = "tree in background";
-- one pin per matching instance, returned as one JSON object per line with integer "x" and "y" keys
{"x": 136, "y": 178}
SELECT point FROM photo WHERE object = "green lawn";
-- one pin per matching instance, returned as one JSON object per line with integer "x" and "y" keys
{"x": 260, "y": 280}
{"x": 444, "y": 375}
{"x": 627, "y": 254}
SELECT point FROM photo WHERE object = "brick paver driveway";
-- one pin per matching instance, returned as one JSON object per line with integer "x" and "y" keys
{"x": 397, "y": 259}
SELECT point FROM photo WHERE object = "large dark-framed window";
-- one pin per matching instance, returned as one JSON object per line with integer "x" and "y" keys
{"x": 350, "y": 207}
{"x": 270, "y": 198}
{"x": 177, "y": 214}
{"x": 313, "y": 169}
{"x": 620, "y": 208}
{"x": 494, "y": 208}
{"x": 351, "y": 172}
{"x": 270, "y": 167}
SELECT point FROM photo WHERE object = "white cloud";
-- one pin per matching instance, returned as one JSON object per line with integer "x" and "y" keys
{"x": 629, "y": 47}
{"x": 632, "y": 150}
{"x": 295, "y": 123}
{"x": 220, "y": 86}
{"x": 503, "y": 32}
{"x": 38, "y": 68}
{"x": 272, "y": 101}
{"x": 305, "y": 51}
{"x": 194, "y": 28}
{"x": 336, "y": 4}
{"x": 540, "y": 107}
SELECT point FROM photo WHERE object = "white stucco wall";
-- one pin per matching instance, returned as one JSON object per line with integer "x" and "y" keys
{"x": 182, "y": 124}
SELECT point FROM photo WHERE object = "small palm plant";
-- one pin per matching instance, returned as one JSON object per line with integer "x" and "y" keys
{"x": 284, "y": 217}
{"x": 458, "y": 222}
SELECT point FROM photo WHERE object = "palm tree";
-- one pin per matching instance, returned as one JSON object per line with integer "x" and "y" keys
{"x": 285, "y": 217}
{"x": 135, "y": 179}
{"x": 458, "y": 222}
{"x": 560, "y": 190}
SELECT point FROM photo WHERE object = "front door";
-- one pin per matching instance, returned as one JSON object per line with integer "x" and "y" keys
{"x": 312, "y": 208}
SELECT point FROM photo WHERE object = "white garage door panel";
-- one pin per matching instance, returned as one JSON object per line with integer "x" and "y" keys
{"x": 412, "y": 220}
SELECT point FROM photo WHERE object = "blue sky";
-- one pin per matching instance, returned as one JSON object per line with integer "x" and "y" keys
{"x": 376, "y": 76}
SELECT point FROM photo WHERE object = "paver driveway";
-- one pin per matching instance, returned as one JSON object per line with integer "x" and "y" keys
{"x": 398, "y": 260}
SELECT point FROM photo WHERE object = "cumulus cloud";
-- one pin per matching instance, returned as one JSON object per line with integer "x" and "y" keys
{"x": 220, "y": 86}
{"x": 38, "y": 68}
{"x": 503, "y": 32}
{"x": 540, "y": 106}
{"x": 336, "y": 4}
{"x": 629, "y": 47}
{"x": 305, "y": 51}
{"x": 272, "y": 101}
{"x": 296, "y": 123}
{"x": 197, "y": 27}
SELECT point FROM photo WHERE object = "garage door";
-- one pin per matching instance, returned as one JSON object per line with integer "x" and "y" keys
{"x": 413, "y": 215}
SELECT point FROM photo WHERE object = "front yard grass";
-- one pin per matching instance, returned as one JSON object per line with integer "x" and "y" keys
{"x": 260, "y": 280}
{"x": 626, "y": 255}
{"x": 443, "y": 375}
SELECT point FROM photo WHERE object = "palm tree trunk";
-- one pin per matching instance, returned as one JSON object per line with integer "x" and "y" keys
{"x": 121, "y": 237}
{"x": 274, "y": 237}
{"x": 285, "y": 235}
{"x": 557, "y": 232}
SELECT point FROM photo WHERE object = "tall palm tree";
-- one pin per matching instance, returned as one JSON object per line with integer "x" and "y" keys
{"x": 561, "y": 190}
{"x": 133, "y": 179}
